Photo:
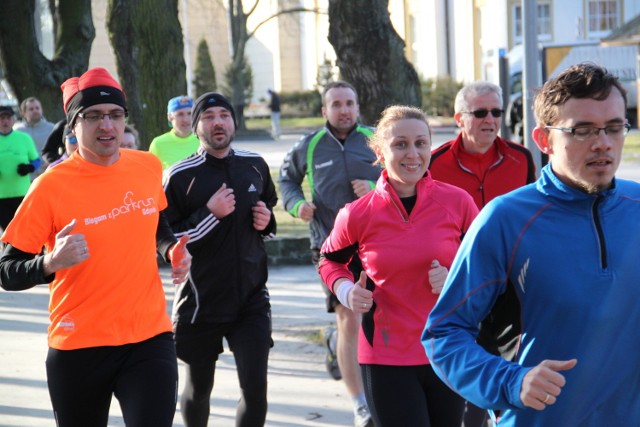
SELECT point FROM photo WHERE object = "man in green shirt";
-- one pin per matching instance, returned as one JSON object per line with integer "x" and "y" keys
{"x": 179, "y": 142}
{"x": 18, "y": 158}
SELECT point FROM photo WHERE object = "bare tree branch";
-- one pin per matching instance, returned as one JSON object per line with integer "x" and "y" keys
{"x": 27, "y": 70}
{"x": 280, "y": 13}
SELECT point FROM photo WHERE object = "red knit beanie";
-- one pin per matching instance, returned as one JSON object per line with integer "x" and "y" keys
{"x": 96, "y": 86}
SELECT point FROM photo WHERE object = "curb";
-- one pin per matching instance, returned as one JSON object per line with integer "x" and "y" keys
{"x": 288, "y": 251}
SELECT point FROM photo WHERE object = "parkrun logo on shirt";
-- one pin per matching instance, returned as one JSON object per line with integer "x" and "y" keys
{"x": 67, "y": 323}
{"x": 129, "y": 205}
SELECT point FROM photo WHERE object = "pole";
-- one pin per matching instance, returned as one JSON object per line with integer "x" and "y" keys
{"x": 187, "y": 51}
{"x": 530, "y": 75}
{"x": 503, "y": 67}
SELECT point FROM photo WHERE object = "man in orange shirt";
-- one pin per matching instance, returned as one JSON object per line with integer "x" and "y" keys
{"x": 99, "y": 216}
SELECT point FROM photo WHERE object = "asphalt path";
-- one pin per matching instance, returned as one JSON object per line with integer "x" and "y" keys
{"x": 300, "y": 391}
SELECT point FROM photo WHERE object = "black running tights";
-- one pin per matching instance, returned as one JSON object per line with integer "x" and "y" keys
{"x": 142, "y": 376}
{"x": 410, "y": 396}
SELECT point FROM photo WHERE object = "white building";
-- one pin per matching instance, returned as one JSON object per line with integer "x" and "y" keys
{"x": 460, "y": 38}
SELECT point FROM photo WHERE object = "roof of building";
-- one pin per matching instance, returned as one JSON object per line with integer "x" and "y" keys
{"x": 628, "y": 33}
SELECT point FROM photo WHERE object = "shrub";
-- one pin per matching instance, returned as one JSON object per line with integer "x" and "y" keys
{"x": 438, "y": 96}
{"x": 305, "y": 103}
{"x": 205, "y": 74}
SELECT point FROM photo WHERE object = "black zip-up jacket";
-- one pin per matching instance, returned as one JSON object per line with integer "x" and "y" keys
{"x": 229, "y": 265}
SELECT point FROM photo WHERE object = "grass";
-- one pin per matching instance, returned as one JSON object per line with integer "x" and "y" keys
{"x": 316, "y": 336}
{"x": 631, "y": 151}
{"x": 290, "y": 123}
{"x": 289, "y": 226}
{"x": 305, "y": 123}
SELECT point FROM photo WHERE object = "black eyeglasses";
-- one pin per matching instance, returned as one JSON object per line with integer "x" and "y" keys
{"x": 95, "y": 117}
{"x": 589, "y": 132}
{"x": 482, "y": 113}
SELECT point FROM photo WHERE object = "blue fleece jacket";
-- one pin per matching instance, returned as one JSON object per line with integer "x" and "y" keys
{"x": 572, "y": 259}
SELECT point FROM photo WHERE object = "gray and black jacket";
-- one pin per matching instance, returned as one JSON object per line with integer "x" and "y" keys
{"x": 329, "y": 166}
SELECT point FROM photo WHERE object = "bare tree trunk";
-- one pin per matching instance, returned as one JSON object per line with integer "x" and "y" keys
{"x": 239, "y": 38}
{"x": 27, "y": 70}
{"x": 146, "y": 36}
{"x": 370, "y": 55}
{"x": 240, "y": 35}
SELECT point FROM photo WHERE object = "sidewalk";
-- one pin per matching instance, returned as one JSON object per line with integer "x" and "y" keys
{"x": 301, "y": 393}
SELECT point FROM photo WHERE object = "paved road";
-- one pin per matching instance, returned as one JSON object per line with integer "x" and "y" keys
{"x": 301, "y": 393}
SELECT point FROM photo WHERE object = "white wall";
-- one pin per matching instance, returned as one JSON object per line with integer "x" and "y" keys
{"x": 428, "y": 44}
{"x": 263, "y": 51}
{"x": 462, "y": 34}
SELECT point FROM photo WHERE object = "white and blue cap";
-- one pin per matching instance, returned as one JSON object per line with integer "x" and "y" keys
{"x": 208, "y": 100}
{"x": 178, "y": 103}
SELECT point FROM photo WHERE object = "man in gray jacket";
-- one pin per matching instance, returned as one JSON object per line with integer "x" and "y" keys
{"x": 35, "y": 125}
{"x": 338, "y": 165}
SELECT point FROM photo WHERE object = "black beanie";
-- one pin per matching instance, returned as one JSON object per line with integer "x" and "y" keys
{"x": 208, "y": 100}
{"x": 96, "y": 86}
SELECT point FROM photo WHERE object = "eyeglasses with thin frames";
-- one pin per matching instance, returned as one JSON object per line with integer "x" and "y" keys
{"x": 585, "y": 133}
{"x": 483, "y": 112}
{"x": 95, "y": 117}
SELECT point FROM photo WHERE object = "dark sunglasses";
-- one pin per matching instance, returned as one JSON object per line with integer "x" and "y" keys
{"x": 481, "y": 114}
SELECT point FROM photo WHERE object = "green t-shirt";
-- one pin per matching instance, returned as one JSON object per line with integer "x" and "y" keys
{"x": 15, "y": 148}
{"x": 170, "y": 148}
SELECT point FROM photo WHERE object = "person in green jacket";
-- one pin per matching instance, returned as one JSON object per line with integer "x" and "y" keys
{"x": 18, "y": 158}
{"x": 179, "y": 142}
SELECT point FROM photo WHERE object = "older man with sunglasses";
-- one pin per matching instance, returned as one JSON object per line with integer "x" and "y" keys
{"x": 486, "y": 166}
{"x": 478, "y": 160}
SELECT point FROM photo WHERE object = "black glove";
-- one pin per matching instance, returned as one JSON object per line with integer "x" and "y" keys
{"x": 25, "y": 169}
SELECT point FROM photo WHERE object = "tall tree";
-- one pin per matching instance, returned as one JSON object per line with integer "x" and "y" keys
{"x": 240, "y": 35}
{"x": 370, "y": 55}
{"x": 204, "y": 79}
{"x": 239, "y": 38}
{"x": 27, "y": 70}
{"x": 242, "y": 74}
{"x": 146, "y": 36}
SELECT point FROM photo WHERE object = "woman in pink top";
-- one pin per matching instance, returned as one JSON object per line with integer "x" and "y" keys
{"x": 406, "y": 233}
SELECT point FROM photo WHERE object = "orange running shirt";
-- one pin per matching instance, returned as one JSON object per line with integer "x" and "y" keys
{"x": 114, "y": 297}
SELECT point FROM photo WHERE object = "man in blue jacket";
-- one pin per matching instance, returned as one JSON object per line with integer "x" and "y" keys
{"x": 567, "y": 246}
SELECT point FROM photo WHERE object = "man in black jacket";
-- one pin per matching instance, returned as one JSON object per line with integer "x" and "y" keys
{"x": 274, "y": 106}
{"x": 222, "y": 199}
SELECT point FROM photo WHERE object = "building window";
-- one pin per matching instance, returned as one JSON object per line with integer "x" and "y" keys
{"x": 543, "y": 23}
{"x": 602, "y": 17}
